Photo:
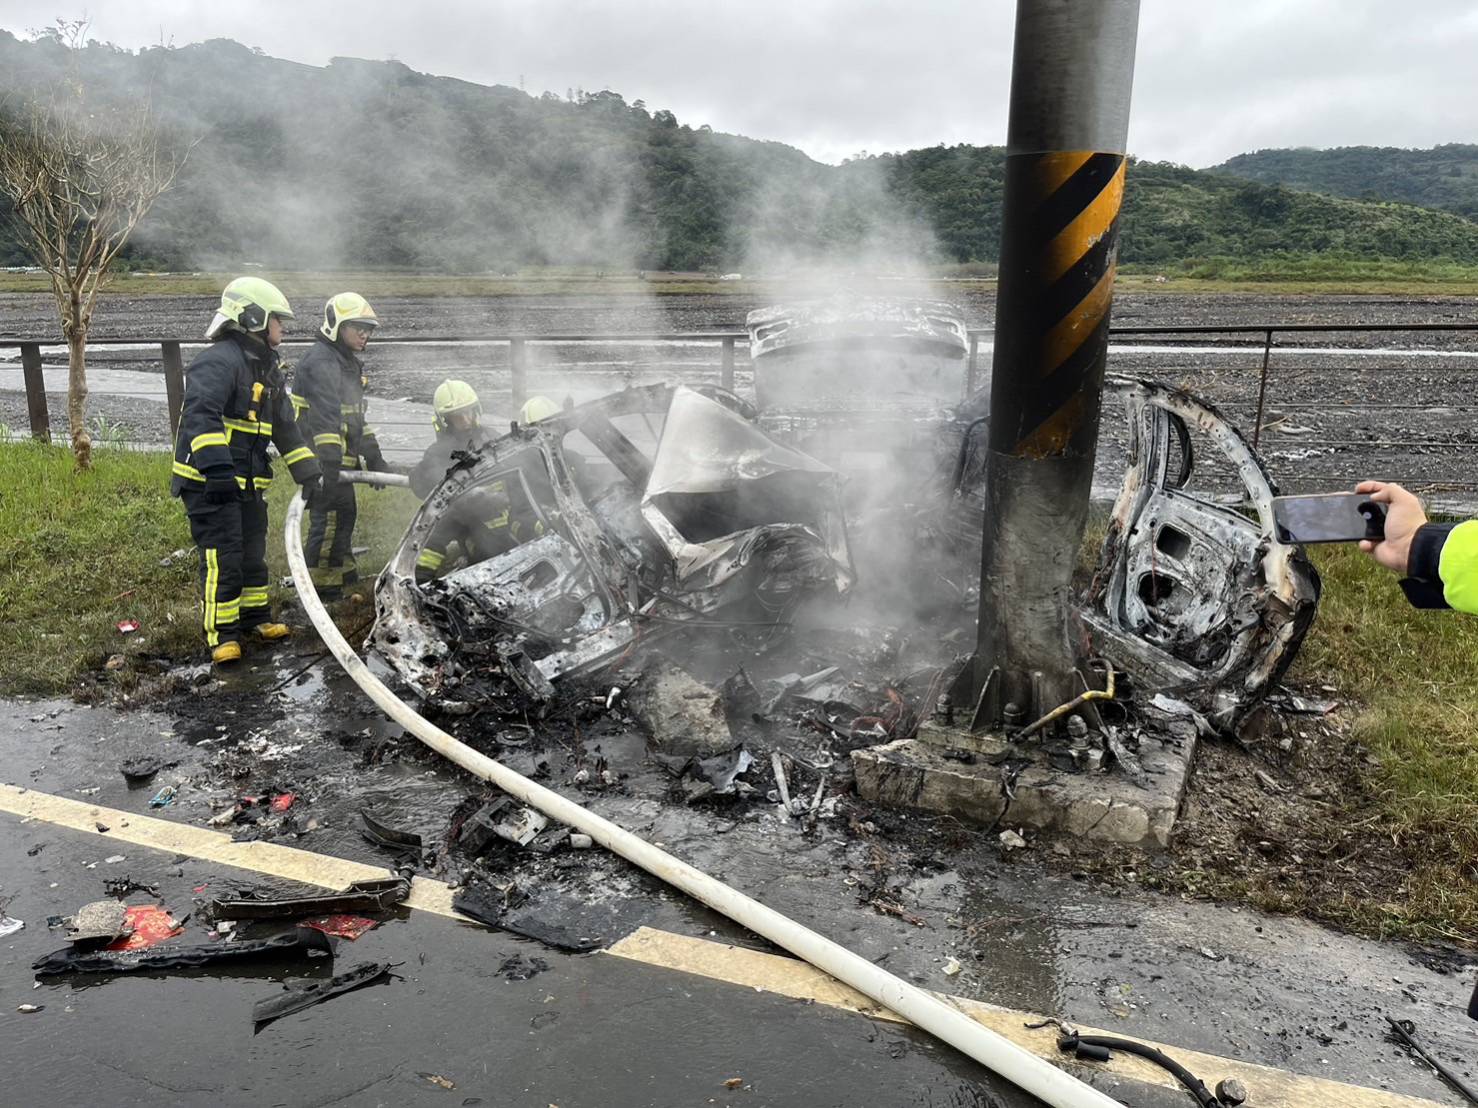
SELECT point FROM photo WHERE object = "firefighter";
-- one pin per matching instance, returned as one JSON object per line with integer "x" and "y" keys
{"x": 535, "y": 409}
{"x": 1438, "y": 561}
{"x": 235, "y": 404}
{"x": 457, "y": 419}
{"x": 487, "y": 521}
{"x": 328, "y": 397}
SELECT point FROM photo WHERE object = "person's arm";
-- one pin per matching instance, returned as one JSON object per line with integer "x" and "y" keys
{"x": 286, "y": 436}
{"x": 369, "y": 443}
{"x": 1439, "y": 561}
{"x": 203, "y": 415}
{"x": 319, "y": 421}
{"x": 428, "y": 472}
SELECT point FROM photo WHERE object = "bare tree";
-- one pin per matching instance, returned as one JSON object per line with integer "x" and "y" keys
{"x": 80, "y": 175}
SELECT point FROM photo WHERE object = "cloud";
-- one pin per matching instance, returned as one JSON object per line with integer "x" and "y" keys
{"x": 834, "y": 77}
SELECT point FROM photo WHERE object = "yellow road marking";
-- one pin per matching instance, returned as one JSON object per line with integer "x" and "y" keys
{"x": 783, "y": 976}
{"x": 272, "y": 859}
{"x": 1270, "y": 1088}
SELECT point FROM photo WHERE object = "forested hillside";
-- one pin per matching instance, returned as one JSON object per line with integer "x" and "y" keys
{"x": 1443, "y": 177}
{"x": 372, "y": 165}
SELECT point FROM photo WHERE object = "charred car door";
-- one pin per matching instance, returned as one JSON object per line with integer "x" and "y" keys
{"x": 1193, "y": 593}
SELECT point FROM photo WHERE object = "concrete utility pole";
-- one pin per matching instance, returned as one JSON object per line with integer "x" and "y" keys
{"x": 1071, "y": 77}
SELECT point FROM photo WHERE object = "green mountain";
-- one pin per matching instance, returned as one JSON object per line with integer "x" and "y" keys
{"x": 372, "y": 165}
{"x": 1444, "y": 177}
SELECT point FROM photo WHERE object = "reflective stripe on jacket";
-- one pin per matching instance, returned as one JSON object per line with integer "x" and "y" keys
{"x": 329, "y": 402}
{"x": 235, "y": 405}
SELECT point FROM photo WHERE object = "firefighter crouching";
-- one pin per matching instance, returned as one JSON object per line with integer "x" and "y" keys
{"x": 486, "y": 521}
{"x": 328, "y": 396}
{"x": 457, "y": 419}
{"x": 235, "y": 404}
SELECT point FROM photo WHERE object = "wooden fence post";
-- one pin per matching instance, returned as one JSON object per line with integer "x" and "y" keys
{"x": 35, "y": 391}
{"x": 174, "y": 384}
{"x": 726, "y": 371}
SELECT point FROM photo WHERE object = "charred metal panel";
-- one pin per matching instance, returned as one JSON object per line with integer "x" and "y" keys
{"x": 1193, "y": 594}
{"x": 849, "y": 353}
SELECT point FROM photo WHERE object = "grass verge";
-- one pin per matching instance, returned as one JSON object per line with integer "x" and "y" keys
{"x": 80, "y": 552}
{"x": 1414, "y": 675}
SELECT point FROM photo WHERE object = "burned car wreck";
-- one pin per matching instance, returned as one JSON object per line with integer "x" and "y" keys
{"x": 617, "y": 520}
{"x": 625, "y": 519}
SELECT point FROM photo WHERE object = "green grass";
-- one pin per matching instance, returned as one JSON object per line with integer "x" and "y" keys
{"x": 1415, "y": 675}
{"x": 81, "y": 551}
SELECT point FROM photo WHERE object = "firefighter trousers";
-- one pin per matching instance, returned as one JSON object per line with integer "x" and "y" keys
{"x": 329, "y": 551}
{"x": 232, "y": 542}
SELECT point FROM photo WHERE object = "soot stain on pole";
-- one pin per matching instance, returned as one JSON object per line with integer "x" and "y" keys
{"x": 1071, "y": 78}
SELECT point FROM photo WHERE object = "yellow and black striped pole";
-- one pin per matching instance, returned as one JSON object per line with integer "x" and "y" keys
{"x": 1071, "y": 77}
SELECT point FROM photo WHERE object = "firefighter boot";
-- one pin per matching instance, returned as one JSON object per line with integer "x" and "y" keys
{"x": 270, "y": 632}
{"x": 226, "y": 652}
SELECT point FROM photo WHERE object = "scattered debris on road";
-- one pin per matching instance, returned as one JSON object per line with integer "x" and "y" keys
{"x": 302, "y": 942}
{"x": 373, "y": 895}
{"x": 298, "y": 995}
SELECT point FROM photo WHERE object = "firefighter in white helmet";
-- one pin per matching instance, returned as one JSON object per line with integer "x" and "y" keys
{"x": 235, "y": 404}
{"x": 328, "y": 395}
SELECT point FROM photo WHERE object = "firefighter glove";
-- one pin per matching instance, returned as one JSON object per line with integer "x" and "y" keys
{"x": 221, "y": 489}
{"x": 312, "y": 491}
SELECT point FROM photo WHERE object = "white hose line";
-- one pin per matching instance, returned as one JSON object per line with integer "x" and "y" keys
{"x": 925, "y": 1010}
{"x": 364, "y": 477}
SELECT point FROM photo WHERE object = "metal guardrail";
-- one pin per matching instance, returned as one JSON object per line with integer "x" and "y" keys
{"x": 172, "y": 359}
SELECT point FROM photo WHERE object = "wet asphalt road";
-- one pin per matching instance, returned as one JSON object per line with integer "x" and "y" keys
{"x": 616, "y": 1033}
{"x": 586, "y": 1032}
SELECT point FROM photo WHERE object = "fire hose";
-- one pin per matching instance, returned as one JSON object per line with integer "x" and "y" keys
{"x": 925, "y": 1010}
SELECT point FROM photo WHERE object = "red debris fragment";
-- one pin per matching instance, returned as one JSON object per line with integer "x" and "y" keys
{"x": 283, "y": 801}
{"x": 128, "y": 626}
{"x": 151, "y": 926}
{"x": 341, "y": 926}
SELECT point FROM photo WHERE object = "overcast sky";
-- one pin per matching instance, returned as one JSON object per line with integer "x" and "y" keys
{"x": 1215, "y": 77}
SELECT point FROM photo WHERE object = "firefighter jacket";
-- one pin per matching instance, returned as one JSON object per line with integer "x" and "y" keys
{"x": 235, "y": 405}
{"x": 328, "y": 395}
{"x": 1442, "y": 569}
{"x": 433, "y": 465}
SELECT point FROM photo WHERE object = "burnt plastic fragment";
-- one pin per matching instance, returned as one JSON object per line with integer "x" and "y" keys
{"x": 303, "y": 942}
{"x": 298, "y": 995}
{"x": 375, "y": 895}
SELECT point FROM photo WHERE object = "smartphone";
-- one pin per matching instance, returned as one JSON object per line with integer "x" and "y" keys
{"x": 1329, "y": 517}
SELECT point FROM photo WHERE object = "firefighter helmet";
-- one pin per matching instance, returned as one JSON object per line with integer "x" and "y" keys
{"x": 347, "y": 307}
{"x": 452, "y": 398}
{"x": 537, "y": 408}
{"x": 246, "y": 303}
